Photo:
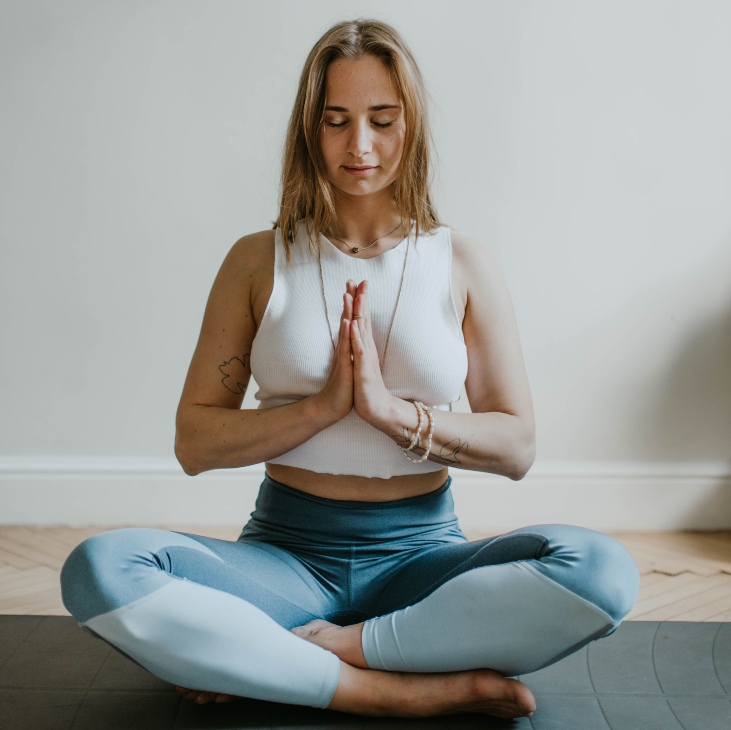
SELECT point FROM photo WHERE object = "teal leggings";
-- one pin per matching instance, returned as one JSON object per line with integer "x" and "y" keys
{"x": 215, "y": 615}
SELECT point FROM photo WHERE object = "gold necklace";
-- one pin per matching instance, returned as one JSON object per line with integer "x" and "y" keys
{"x": 398, "y": 298}
{"x": 355, "y": 249}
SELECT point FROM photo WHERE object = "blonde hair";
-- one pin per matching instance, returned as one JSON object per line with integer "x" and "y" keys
{"x": 306, "y": 192}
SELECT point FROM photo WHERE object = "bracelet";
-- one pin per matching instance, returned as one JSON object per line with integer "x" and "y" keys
{"x": 428, "y": 410}
{"x": 417, "y": 433}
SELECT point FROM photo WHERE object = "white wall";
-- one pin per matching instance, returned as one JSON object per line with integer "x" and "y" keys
{"x": 585, "y": 143}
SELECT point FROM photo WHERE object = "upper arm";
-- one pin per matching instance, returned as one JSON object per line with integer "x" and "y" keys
{"x": 219, "y": 371}
{"x": 496, "y": 375}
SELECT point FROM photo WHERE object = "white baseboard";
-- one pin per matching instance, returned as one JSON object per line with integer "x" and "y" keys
{"x": 607, "y": 496}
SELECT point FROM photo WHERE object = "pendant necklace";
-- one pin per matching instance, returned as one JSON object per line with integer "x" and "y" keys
{"x": 355, "y": 249}
{"x": 398, "y": 297}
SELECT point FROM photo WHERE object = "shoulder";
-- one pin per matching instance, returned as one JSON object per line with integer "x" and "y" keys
{"x": 249, "y": 266}
{"x": 252, "y": 251}
{"x": 469, "y": 253}
{"x": 475, "y": 268}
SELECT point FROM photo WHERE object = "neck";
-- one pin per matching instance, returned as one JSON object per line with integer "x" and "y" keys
{"x": 362, "y": 219}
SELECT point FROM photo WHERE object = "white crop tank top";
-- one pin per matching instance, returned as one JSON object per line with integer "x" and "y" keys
{"x": 292, "y": 352}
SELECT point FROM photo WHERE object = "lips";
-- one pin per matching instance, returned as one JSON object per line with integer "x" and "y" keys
{"x": 358, "y": 169}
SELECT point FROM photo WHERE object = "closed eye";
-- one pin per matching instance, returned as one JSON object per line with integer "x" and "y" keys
{"x": 381, "y": 125}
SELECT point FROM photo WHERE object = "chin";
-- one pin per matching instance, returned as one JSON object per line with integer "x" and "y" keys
{"x": 361, "y": 187}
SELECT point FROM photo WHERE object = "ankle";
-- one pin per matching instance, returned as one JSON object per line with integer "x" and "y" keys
{"x": 353, "y": 647}
{"x": 355, "y": 693}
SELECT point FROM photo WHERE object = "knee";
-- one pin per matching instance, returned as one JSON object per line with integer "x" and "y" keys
{"x": 610, "y": 574}
{"x": 88, "y": 569}
{"x": 592, "y": 565}
{"x": 80, "y": 574}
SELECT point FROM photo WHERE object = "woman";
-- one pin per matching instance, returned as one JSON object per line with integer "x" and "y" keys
{"x": 352, "y": 586}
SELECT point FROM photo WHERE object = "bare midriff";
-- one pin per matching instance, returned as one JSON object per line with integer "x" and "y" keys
{"x": 352, "y": 488}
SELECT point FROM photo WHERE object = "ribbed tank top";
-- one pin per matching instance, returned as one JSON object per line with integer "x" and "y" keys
{"x": 292, "y": 353}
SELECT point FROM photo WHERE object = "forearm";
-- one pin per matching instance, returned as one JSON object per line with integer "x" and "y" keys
{"x": 211, "y": 437}
{"x": 498, "y": 443}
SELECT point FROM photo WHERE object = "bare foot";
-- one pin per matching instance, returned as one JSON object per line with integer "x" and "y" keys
{"x": 343, "y": 641}
{"x": 407, "y": 694}
{"x": 203, "y": 698}
{"x": 363, "y": 691}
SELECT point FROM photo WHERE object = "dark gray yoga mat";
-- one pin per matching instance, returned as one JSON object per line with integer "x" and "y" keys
{"x": 646, "y": 676}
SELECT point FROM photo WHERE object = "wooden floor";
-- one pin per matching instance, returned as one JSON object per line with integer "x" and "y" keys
{"x": 685, "y": 576}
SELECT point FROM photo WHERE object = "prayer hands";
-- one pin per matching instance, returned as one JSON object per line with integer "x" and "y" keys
{"x": 337, "y": 394}
{"x": 370, "y": 395}
{"x": 355, "y": 380}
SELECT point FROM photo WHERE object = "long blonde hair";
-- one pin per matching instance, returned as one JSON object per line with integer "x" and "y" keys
{"x": 306, "y": 192}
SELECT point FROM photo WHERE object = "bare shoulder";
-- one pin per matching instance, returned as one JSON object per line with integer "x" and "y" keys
{"x": 252, "y": 251}
{"x": 251, "y": 263}
{"x": 472, "y": 256}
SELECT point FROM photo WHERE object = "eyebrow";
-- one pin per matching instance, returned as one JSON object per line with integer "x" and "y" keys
{"x": 377, "y": 108}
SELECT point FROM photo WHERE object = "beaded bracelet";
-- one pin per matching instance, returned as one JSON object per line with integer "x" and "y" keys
{"x": 417, "y": 433}
{"x": 419, "y": 407}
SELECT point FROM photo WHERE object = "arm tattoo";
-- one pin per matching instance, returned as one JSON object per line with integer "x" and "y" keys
{"x": 449, "y": 453}
{"x": 236, "y": 374}
{"x": 406, "y": 439}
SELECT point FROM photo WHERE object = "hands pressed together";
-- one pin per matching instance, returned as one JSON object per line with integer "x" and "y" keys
{"x": 355, "y": 380}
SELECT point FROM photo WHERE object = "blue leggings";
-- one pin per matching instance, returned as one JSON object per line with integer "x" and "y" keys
{"x": 215, "y": 615}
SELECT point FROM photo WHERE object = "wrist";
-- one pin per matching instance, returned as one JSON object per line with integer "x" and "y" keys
{"x": 321, "y": 412}
{"x": 399, "y": 420}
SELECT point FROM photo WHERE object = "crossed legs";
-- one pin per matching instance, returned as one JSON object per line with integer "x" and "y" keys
{"x": 215, "y": 615}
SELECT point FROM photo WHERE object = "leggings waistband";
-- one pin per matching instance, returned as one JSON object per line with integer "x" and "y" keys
{"x": 283, "y": 512}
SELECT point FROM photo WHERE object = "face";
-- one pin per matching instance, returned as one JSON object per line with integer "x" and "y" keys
{"x": 362, "y": 132}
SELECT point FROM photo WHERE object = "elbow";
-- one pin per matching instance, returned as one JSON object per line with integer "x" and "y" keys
{"x": 186, "y": 458}
{"x": 522, "y": 457}
{"x": 520, "y": 467}
{"x": 188, "y": 444}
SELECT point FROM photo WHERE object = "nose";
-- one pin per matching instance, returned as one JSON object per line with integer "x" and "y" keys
{"x": 360, "y": 141}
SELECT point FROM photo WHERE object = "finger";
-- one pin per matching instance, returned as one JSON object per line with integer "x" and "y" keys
{"x": 344, "y": 348}
{"x": 357, "y": 306}
{"x": 360, "y": 310}
{"x": 347, "y": 306}
{"x": 356, "y": 342}
{"x": 224, "y": 698}
{"x": 204, "y": 697}
{"x": 362, "y": 288}
{"x": 367, "y": 311}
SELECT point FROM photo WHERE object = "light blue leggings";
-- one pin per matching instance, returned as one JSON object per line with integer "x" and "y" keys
{"x": 215, "y": 615}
